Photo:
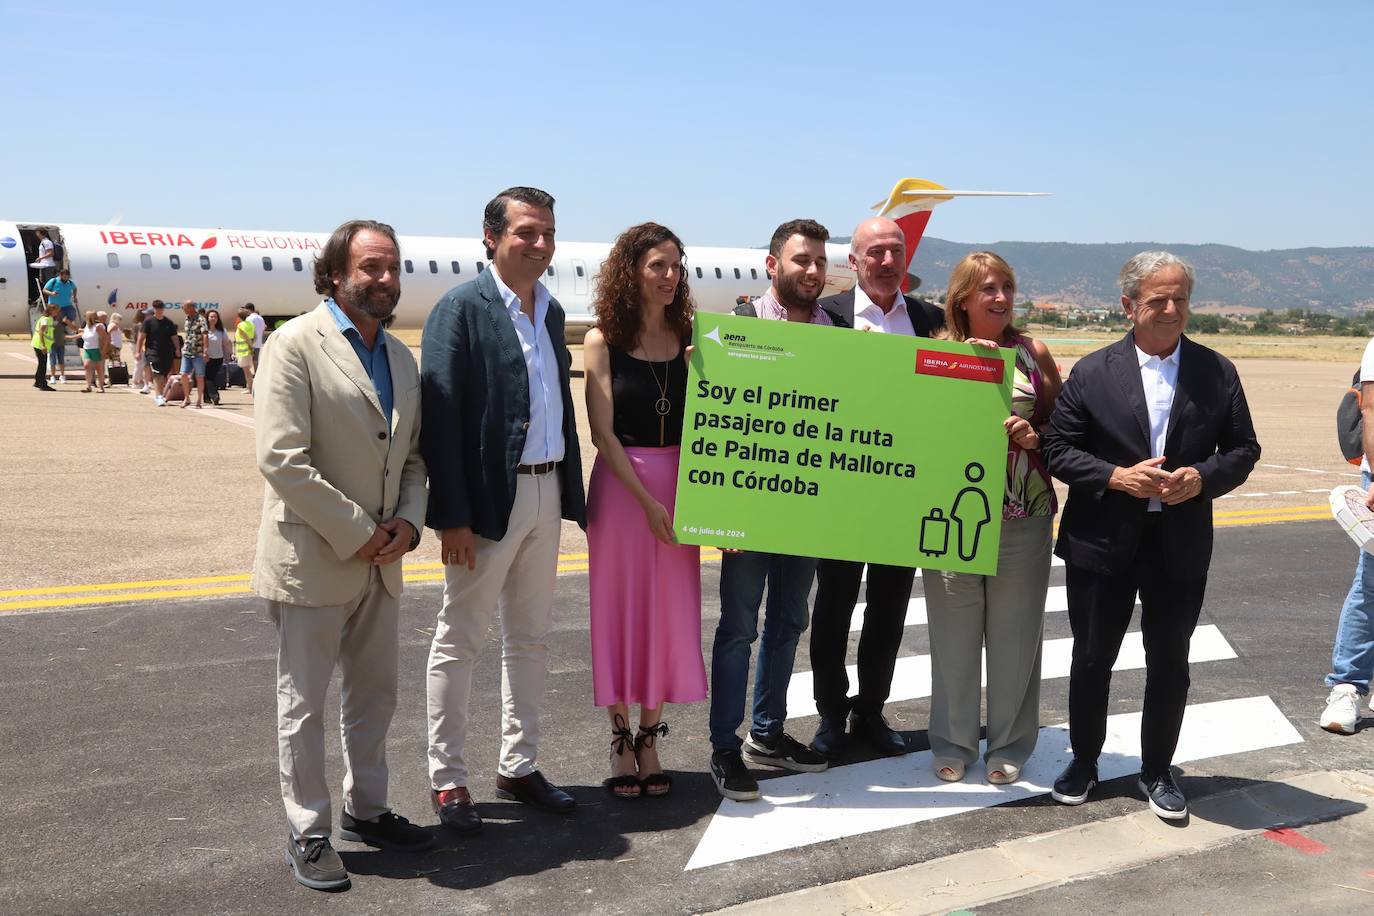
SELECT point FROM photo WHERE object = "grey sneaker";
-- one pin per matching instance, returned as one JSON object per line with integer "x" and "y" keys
{"x": 784, "y": 752}
{"x": 316, "y": 864}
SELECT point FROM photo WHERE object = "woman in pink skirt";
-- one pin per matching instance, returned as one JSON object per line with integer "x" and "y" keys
{"x": 645, "y": 587}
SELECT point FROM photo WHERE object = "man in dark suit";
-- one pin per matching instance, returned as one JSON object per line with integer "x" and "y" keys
{"x": 504, "y": 469}
{"x": 1147, "y": 432}
{"x": 877, "y": 253}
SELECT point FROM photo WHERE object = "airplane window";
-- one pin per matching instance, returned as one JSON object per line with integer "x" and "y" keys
{"x": 296, "y": 265}
{"x": 717, "y": 273}
{"x": 579, "y": 270}
{"x": 549, "y": 271}
{"x": 434, "y": 267}
{"x": 456, "y": 268}
{"x": 698, "y": 273}
{"x": 175, "y": 261}
{"x": 112, "y": 259}
{"x": 205, "y": 262}
{"x": 266, "y": 263}
{"x": 753, "y": 274}
{"x": 410, "y": 268}
{"x": 736, "y": 273}
{"x": 145, "y": 260}
{"x": 236, "y": 262}
{"x": 480, "y": 267}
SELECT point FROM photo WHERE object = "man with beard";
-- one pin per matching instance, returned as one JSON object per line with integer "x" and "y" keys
{"x": 796, "y": 263}
{"x": 877, "y": 254}
{"x": 338, "y": 442}
{"x": 501, "y": 440}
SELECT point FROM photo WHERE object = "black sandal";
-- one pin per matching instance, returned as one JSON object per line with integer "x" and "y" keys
{"x": 655, "y": 784}
{"x": 623, "y": 741}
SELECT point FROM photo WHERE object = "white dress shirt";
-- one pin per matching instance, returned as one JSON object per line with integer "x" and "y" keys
{"x": 868, "y": 316}
{"x": 1159, "y": 378}
{"x": 544, "y": 437}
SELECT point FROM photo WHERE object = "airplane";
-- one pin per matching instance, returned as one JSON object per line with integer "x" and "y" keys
{"x": 124, "y": 268}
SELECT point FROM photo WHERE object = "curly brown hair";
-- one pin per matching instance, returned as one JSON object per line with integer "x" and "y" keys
{"x": 618, "y": 314}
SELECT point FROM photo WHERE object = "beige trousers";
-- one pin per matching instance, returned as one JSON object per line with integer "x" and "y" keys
{"x": 361, "y": 638}
{"x": 1007, "y": 613}
{"x": 516, "y": 573}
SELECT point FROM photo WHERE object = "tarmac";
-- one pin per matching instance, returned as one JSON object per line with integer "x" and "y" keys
{"x": 137, "y": 739}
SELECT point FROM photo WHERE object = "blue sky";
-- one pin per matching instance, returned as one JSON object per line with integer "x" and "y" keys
{"x": 1245, "y": 124}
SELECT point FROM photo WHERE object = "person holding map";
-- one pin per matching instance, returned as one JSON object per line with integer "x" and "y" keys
{"x": 1005, "y": 612}
{"x": 877, "y": 254}
{"x": 1147, "y": 433}
{"x": 645, "y": 587}
{"x": 796, "y": 265}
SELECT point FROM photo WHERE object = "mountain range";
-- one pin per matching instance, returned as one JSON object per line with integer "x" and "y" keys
{"x": 1336, "y": 280}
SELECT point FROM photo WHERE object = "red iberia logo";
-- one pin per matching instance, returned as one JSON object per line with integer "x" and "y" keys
{"x": 953, "y": 365}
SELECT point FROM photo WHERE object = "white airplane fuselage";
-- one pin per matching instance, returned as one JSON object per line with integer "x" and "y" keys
{"x": 124, "y": 268}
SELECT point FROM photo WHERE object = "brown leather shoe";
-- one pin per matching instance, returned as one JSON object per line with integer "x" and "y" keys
{"x": 456, "y": 810}
{"x": 535, "y": 790}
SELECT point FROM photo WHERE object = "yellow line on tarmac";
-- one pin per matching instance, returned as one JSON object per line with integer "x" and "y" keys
{"x": 1272, "y": 511}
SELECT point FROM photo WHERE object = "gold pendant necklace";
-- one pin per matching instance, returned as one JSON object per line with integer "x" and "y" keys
{"x": 662, "y": 405}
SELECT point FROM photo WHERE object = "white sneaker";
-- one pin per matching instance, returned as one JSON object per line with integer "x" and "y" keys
{"x": 144, "y": 390}
{"x": 1342, "y": 710}
{"x": 160, "y": 401}
{"x": 62, "y": 380}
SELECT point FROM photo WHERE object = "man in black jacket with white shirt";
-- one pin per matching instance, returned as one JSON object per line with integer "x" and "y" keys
{"x": 1147, "y": 433}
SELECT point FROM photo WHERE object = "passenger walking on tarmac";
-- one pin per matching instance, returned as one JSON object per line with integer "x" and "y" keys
{"x": 1352, "y": 655}
{"x": 243, "y": 347}
{"x": 157, "y": 346}
{"x": 193, "y": 354}
{"x": 1139, "y": 514}
{"x": 217, "y": 347}
{"x": 94, "y": 340}
{"x": 115, "y": 325}
{"x": 142, "y": 377}
{"x": 259, "y": 332}
{"x": 796, "y": 263}
{"x": 61, "y": 291}
{"x": 645, "y": 588}
{"x": 500, "y": 433}
{"x": 1004, "y": 613}
{"x": 43, "y": 330}
{"x": 877, "y": 254}
{"x": 338, "y": 445}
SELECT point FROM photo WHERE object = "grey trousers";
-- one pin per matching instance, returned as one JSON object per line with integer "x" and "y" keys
{"x": 360, "y": 637}
{"x": 1007, "y": 612}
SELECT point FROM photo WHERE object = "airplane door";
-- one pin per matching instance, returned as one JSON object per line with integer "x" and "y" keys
{"x": 14, "y": 282}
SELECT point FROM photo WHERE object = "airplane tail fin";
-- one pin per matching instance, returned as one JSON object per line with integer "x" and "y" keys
{"x": 911, "y": 201}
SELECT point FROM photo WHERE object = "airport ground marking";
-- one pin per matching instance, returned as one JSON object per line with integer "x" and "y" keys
{"x": 911, "y": 674}
{"x": 890, "y": 792}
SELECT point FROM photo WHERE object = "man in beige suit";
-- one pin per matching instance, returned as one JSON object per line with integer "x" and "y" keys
{"x": 338, "y": 433}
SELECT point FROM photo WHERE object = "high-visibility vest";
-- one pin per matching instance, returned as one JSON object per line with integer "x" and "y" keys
{"x": 43, "y": 333}
{"x": 243, "y": 339}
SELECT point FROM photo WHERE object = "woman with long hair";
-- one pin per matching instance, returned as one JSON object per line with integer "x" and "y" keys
{"x": 1006, "y": 611}
{"x": 217, "y": 348}
{"x": 94, "y": 340}
{"x": 645, "y": 587}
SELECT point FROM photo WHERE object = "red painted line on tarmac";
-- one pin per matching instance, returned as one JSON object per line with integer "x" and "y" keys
{"x": 1295, "y": 840}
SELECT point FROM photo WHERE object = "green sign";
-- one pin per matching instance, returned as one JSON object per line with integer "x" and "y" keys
{"x": 831, "y": 442}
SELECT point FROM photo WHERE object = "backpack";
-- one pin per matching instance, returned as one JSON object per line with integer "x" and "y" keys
{"x": 1350, "y": 422}
{"x": 749, "y": 310}
{"x": 59, "y": 254}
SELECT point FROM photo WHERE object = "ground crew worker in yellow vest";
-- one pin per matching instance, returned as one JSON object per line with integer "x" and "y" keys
{"x": 244, "y": 334}
{"x": 44, "y": 332}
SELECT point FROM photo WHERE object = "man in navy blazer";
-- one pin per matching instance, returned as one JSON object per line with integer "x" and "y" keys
{"x": 504, "y": 470}
{"x": 1147, "y": 433}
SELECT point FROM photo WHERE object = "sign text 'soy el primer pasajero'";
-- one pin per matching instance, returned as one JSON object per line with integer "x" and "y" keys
{"x": 831, "y": 442}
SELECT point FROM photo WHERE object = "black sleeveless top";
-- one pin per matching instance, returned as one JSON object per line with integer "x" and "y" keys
{"x": 637, "y": 385}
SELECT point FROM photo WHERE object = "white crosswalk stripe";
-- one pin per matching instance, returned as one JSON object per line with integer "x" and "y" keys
{"x": 911, "y": 678}
{"x": 1056, "y": 602}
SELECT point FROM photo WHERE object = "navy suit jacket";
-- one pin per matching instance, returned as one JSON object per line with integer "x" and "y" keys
{"x": 475, "y": 396}
{"x": 1101, "y": 422}
{"x": 926, "y": 319}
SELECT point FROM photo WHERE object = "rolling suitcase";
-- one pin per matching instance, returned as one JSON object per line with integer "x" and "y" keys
{"x": 119, "y": 373}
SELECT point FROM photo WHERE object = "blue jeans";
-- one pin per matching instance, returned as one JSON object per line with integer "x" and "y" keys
{"x": 1352, "y": 658}
{"x": 742, "y": 580}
